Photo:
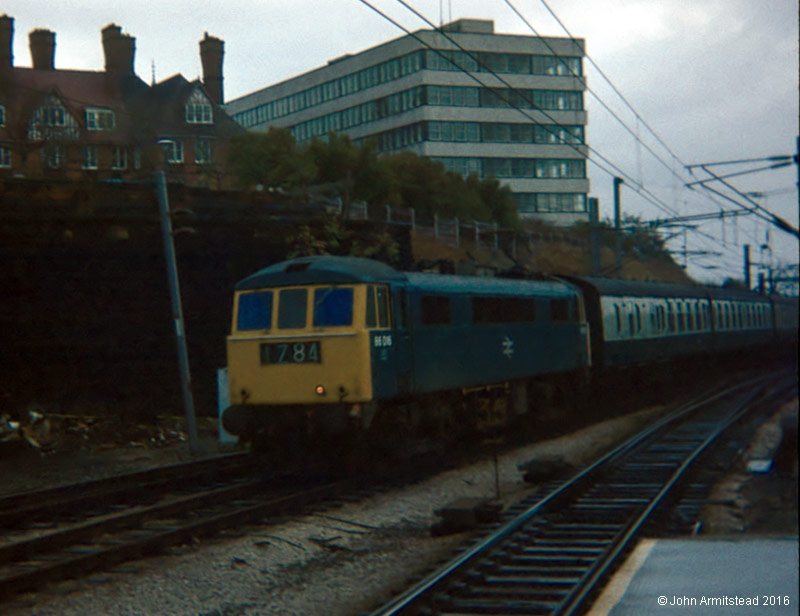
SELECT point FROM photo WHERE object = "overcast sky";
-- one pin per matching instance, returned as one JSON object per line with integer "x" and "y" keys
{"x": 716, "y": 80}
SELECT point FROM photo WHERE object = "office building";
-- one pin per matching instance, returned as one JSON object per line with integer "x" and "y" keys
{"x": 502, "y": 105}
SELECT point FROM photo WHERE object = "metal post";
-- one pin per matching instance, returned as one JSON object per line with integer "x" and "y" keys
{"x": 594, "y": 241}
{"x": 477, "y": 233}
{"x": 435, "y": 225}
{"x": 177, "y": 310}
{"x": 458, "y": 232}
{"x": 413, "y": 220}
{"x": 747, "y": 266}
{"x": 618, "y": 225}
{"x": 496, "y": 243}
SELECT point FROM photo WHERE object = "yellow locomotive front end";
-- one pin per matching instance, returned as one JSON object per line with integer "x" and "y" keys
{"x": 299, "y": 355}
{"x": 299, "y": 345}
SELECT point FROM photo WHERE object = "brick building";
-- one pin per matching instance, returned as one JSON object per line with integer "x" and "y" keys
{"x": 110, "y": 125}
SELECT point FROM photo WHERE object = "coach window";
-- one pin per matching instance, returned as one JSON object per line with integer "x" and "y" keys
{"x": 617, "y": 316}
{"x": 689, "y": 316}
{"x": 435, "y": 310}
{"x": 292, "y": 308}
{"x": 638, "y": 319}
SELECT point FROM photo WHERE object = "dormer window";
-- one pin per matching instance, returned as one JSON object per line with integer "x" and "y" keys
{"x": 99, "y": 119}
{"x": 52, "y": 121}
{"x": 198, "y": 109}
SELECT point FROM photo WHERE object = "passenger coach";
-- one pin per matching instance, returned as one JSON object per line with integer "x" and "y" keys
{"x": 639, "y": 323}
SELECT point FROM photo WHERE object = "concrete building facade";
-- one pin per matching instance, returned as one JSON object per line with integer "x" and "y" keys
{"x": 508, "y": 106}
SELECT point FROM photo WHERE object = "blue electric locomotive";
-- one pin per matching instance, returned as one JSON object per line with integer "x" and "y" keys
{"x": 323, "y": 344}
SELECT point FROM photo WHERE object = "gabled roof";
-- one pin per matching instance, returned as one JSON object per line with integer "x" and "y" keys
{"x": 169, "y": 98}
{"x": 24, "y": 89}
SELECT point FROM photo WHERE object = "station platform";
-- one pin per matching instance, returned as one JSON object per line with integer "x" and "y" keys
{"x": 698, "y": 577}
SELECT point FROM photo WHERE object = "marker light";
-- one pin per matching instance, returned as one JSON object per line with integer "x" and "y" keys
{"x": 320, "y": 389}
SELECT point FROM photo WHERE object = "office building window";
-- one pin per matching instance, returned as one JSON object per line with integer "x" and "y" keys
{"x": 550, "y": 202}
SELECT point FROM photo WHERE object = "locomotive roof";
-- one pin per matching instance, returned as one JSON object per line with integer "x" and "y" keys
{"x": 447, "y": 283}
{"x": 348, "y": 270}
{"x": 320, "y": 270}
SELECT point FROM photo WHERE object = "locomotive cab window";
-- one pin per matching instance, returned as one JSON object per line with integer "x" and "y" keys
{"x": 254, "y": 311}
{"x": 333, "y": 307}
{"x": 292, "y": 308}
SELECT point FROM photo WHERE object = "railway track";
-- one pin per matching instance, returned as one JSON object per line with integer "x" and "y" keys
{"x": 70, "y": 531}
{"x": 553, "y": 552}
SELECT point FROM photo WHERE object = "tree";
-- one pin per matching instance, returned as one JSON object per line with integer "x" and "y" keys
{"x": 270, "y": 159}
{"x": 355, "y": 172}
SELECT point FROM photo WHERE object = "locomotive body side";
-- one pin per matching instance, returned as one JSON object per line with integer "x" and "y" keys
{"x": 471, "y": 332}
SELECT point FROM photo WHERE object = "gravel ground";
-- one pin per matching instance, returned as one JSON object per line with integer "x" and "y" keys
{"x": 342, "y": 561}
{"x": 348, "y": 559}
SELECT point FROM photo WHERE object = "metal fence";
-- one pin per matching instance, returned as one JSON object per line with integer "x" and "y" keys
{"x": 456, "y": 232}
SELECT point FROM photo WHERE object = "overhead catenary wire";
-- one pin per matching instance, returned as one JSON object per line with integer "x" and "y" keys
{"x": 633, "y": 183}
{"x": 600, "y": 100}
{"x": 637, "y": 186}
{"x": 670, "y": 210}
{"x": 780, "y": 160}
{"x": 610, "y": 83}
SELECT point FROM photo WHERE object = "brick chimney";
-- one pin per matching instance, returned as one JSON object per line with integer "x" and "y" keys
{"x": 6, "y": 41}
{"x": 211, "y": 51}
{"x": 43, "y": 49}
{"x": 119, "y": 50}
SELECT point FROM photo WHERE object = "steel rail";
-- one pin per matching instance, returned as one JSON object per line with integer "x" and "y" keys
{"x": 84, "y": 549}
{"x": 601, "y": 568}
{"x": 430, "y": 584}
{"x": 33, "y": 505}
